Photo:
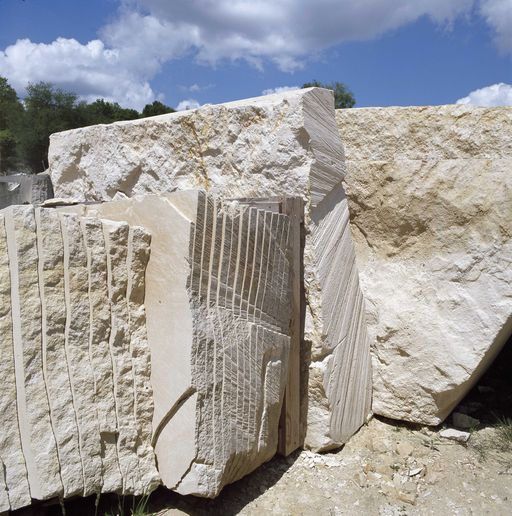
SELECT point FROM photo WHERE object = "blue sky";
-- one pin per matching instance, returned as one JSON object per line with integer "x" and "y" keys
{"x": 389, "y": 52}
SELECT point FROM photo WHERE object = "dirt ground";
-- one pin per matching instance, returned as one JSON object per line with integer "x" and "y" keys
{"x": 386, "y": 470}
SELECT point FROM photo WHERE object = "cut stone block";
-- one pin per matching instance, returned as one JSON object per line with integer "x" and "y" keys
{"x": 59, "y": 387}
{"x": 217, "y": 290}
{"x": 429, "y": 190}
{"x": 280, "y": 145}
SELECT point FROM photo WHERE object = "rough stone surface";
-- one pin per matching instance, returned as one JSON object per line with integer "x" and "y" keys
{"x": 57, "y": 385}
{"x": 430, "y": 195}
{"x": 276, "y": 145}
{"x": 218, "y": 327}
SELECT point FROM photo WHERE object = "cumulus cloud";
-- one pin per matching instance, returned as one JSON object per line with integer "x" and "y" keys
{"x": 187, "y": 104}
{"x": 285, "y": 32}
{"x": 279, "y": 89}
{"x": 495, "y": 95}
{"x": 498, "y": 14}
{"x": 131, "y": 50}
{"x": 90, "y": 70}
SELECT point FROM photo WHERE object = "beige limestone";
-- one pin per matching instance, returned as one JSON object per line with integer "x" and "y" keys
{"x": 13, "y": 462}
{"x": 283, "y": 144}
{"x": 54, "y": 402}
{"x": 217, "y": 324}
{"x": 430, "y": 195}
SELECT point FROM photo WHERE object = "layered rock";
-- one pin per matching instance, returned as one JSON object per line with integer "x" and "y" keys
{"x": 430, "y": 194}
{"x": 217, "y": 290}
{"x": 72, "y": 418}
{"x": 284, "y": 145}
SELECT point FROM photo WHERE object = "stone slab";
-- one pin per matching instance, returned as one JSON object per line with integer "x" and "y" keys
{"x": 217, "y": 284}
{"x": 279, "y": 145}
{"x": 55, "y": 400}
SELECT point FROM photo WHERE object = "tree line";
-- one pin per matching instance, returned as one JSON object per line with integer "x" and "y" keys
{"x": 26, "y": 126}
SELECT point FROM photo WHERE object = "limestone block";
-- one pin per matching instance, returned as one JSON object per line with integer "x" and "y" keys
{"x": 430, "y": 195}
{"x": 285, "y": 145}
{"x": 217, "y": 285}
{"x": 59, "y": 388}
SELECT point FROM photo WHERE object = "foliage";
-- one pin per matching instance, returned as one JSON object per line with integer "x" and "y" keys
{"x": 25, "y": 128}
{"x": 156, "y": 108}
{"x": 343, "y": 97}
{"x": 11, "y": 110}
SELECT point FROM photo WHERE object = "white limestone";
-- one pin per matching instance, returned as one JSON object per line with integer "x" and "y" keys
{"x": 55, "y": 401}
{"x": 217, "y": 324}
{"x": 430, "y": 197}
{"x": 11, "y": 455}
{"x": 277, "y": 145}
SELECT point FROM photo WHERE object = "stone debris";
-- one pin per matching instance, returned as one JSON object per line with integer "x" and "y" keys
{"x": 430, "y": 205}
{"x": 68, "y": 399}
{"x": 279, "y": 145}
{"x": 218, "y": 317}
{"x": 455, "y": 435}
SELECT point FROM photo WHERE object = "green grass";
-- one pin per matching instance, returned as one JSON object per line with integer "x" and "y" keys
{"x": 504, "y": 434}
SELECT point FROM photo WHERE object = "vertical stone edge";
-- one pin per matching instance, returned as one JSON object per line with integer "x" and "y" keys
{"x": 11, "y": 454}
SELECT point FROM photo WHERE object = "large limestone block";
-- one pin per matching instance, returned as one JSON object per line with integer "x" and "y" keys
{"x": 217, "y": 290}
{"x": 425, "y": 133}
{"x": 285, "y": 145}
{"x": 431, "y": 215}
{"x": 61, "y": 278}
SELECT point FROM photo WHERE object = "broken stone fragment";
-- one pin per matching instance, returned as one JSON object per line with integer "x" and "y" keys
{"x": 455, "y": 435}
{"x": 217, "y": 310}
{"x": 280, "y": 145}
{"x": 429, "y": 190}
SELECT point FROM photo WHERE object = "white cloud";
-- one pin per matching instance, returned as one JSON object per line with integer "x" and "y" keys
{"x": 285, "y": 32}
{"x": 187, "y": 104}
{"x": 279, "y": 89}
{"x": 90, "y": 70}
{"x": 495, "y": 95}
{"x": 498, "y": 14}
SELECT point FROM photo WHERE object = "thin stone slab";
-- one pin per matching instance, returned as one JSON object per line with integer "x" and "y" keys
{"x": 14, "y": 470}
{"x": 279, "y": 145}
{"x": 60, "y": 297}
{"x": 217, "y": 289}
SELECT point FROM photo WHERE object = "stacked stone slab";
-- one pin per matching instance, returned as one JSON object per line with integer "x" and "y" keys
{"x": 430, "y": 194}
{"x": 285, "y": 145}
{"x": 75, "y": 404}
{"x": 217, "y": 290}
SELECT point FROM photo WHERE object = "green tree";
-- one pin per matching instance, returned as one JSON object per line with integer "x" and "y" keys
{"x": 47, "y": 110}
{"x": 11, "y": 111}
{"x": 103, "y": 112}
{"x": 156, "y": 108}
{"x": 343, "y": 97}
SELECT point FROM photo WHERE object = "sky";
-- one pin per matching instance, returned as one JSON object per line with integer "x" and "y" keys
{"x": 186, "y": 53}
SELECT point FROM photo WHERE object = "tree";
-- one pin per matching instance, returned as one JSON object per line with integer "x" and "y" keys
{"x": 47, "y": 110}
{"x": 103, "y": 112}
{"x": 343, "y": 97}
{"x": 156, "y": 108}
{"x": 11, "y": 111}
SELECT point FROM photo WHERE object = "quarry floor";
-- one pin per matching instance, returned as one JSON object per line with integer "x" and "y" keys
{"x": 386, "y": 469}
